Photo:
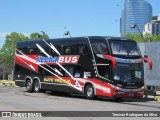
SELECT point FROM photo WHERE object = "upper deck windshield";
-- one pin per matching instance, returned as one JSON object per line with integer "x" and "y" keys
{"x": 125, "y": 48}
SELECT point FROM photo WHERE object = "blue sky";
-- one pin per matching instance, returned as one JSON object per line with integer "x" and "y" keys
{"x": 80, "y": 17}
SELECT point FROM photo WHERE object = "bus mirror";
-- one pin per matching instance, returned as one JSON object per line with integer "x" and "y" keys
{"x": 149, "y": 62}
{"x": 145, "y": 56}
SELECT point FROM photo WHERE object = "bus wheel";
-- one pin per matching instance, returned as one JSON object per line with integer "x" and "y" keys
{"x": 36, "y": 86}
{"x": 89, "y": 92}
{"x": 29, "y": 86}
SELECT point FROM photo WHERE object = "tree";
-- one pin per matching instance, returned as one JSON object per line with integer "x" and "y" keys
{"x": 155, "y": 38}
{"x": 8, "y": 49}
{"x": 146, "y": 37}
{"x": 37, "y": 36}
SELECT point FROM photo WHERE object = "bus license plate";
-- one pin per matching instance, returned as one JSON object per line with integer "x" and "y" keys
{"x": 131, "y": 94}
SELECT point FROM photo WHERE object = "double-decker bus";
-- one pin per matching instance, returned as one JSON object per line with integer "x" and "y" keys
{"x": 92, "y": 66}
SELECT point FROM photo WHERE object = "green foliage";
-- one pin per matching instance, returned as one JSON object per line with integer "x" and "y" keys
{"x": 37, "y": 36}
{"x": 8, "y": 49}
{"x": 146, "y": 37}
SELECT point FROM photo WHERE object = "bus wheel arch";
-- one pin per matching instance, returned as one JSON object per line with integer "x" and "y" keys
{"x": 89, "y": 91}
{"x": 29, "y": 84}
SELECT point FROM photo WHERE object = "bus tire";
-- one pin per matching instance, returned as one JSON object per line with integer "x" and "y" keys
{"x": 36, "y": 86}
{"x": 89, "y": 92}
{"x": 29, "y": 86}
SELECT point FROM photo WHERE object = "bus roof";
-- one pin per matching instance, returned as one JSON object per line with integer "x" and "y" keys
{"x": 73, "y": 39}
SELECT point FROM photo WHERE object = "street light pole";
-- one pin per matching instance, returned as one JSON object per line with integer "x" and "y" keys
{"x": 66, "y": 33}
{"x": 135, "y": 26}
{"x": 43, "y": 34}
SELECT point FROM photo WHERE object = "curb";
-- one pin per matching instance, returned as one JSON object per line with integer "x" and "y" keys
{"x": 8, "y": 83}
{"x": 157, "y": 98}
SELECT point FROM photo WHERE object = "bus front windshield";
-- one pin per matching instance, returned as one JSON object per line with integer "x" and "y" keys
{"x": 128, "y": 72}
{"x": 125, "y": 48}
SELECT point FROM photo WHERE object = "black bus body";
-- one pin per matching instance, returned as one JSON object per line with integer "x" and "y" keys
{"x": 93, "y": 66}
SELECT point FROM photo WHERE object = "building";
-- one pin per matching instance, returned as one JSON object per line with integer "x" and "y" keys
{"x": 137, "y": 12}
{"x": 153, "y": 27}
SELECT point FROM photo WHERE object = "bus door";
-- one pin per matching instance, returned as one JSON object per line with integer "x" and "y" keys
{"x": 104, "y": 72}
{"x": 102, "y": 65}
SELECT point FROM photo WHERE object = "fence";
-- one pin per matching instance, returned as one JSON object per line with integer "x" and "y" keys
{"x": 152, "y": 49}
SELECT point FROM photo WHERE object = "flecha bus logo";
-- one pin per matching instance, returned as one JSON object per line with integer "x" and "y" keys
{"x": 68, "y": 59}
{"x": 60, "y": 59}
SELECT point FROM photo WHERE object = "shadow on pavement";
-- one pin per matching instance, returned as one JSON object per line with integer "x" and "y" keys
{"x": 62, "y": 94}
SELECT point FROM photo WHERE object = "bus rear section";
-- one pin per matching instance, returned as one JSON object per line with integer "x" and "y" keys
{"x": 54, "y": 65}
{"x": 92, "y": 66}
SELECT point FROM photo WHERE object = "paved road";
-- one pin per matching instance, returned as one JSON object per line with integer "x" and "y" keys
{"x": 17, "y": 99}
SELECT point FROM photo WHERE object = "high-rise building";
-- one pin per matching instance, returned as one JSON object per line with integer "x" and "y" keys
{"x": 137, "y": 12}
{"x": 153, "y": 27}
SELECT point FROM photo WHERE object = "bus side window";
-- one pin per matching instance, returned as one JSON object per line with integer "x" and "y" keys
{"x": 42, "y": 53}
{"x": 33, "y": 51}
{"x": 73, "y": 70}
{"x": 82, "y": 50}
{"x": 25, "y": 50}
{"x": 53, "y": 53}
{"x": 70, "y": 69}
{"x": 104, "y": 71}
{"x": 68, "y": 50}
{"x": 19, "y": 51}
{"x": 99, "y": 46}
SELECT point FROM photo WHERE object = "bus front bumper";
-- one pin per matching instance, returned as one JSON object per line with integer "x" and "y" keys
{"x": 127, "y": 94}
